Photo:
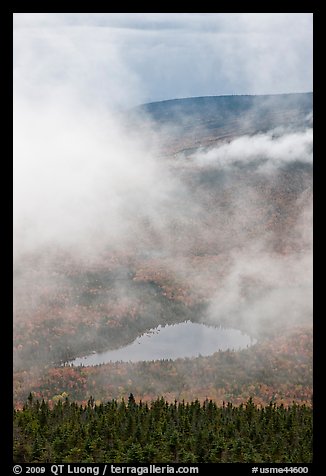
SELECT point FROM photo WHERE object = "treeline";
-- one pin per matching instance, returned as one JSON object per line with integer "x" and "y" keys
{"x": 161, "y": 432}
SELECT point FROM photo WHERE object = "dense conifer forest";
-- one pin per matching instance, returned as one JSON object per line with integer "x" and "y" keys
{"x": 161, "y": 432}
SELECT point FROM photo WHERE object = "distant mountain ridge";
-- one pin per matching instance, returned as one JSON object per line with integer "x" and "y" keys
{"x": 223, "y": 116}
{"x": 224, "y": 106}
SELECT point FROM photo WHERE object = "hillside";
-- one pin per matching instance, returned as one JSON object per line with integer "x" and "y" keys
{"x": 191, "y": 122}
{"x": 223, "y": 237}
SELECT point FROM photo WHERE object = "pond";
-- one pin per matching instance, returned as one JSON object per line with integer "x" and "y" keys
{"x": 187, "y": 339}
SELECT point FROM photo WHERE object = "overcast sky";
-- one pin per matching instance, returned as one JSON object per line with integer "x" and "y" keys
{"x": 124, "y": 59}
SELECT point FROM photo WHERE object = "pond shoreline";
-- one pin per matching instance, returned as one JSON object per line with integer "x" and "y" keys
{"x": 186, "y": 339}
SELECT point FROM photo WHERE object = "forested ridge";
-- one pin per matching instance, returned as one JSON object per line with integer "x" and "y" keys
{"x": 161, "y": 432}
{"x": 218, "y": 234}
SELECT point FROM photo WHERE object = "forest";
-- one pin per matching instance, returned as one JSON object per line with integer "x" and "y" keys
{"x": 227, "y": 245}
{"x": 161, "y": 432}
{"x": 162, "y": 240}
{"x": 278, "y": 369}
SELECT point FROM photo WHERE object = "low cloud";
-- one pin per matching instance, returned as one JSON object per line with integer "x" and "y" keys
{"x": 273, "y": 149}
{"x": 78, "y": 177}
{"x": 234, "y": 236}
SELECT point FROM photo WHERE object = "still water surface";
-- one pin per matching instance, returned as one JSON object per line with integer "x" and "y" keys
{"x": 187, "y": 339}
